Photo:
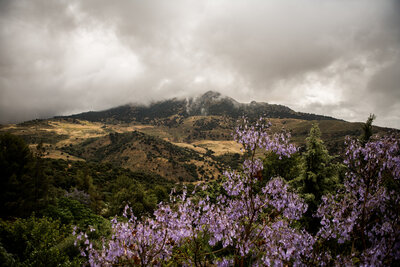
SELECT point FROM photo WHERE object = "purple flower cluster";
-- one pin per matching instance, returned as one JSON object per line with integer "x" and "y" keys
{"x": 134, "y": 242}
{"x": 257, "y": 221}
{"x": 367, "y": 212}
{"x": 258, "y": 136}
{"x": 258, "y": 225}
{"x": 255, "y": 225}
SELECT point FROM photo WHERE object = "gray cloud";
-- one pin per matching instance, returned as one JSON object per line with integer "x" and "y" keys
{"x": 338, "y": 58}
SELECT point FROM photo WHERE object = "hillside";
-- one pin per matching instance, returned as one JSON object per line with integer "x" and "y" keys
{"x": 141, "y": 152}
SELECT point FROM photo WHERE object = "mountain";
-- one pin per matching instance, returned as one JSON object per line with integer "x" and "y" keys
{"x": 178, "y": 139}
{"x": 209, "y": 104}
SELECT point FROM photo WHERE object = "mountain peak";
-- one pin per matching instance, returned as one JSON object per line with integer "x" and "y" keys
{"x": 211, "y": 95}
{"x": 209, "y": 103}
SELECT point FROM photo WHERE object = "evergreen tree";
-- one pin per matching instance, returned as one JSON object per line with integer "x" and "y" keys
{"x": 23, "y": 183}
{"x": 16, "y": 165}
{"x": 367, "y": 130}
{"x": 318, "y": 175}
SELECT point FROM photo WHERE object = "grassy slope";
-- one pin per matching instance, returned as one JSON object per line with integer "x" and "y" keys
{"x": 139, "y": 151}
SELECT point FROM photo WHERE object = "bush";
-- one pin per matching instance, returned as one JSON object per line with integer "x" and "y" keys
{"x": 38, "y": 242}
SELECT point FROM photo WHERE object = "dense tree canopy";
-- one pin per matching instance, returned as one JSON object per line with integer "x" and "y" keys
{"x": 23, "y": 185}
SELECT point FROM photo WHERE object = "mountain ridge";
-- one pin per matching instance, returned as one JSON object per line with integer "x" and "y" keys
{"x": 210, "y": 103}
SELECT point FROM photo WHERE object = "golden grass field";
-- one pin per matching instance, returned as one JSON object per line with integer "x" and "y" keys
{"x": 220, "y": 147}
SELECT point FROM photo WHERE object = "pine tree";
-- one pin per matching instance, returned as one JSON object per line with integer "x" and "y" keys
{"x": 23, "y": 184}
{"x": 367, "y": 130}
{"x": 318, "y": 177}
{"x": 316, "y": 163}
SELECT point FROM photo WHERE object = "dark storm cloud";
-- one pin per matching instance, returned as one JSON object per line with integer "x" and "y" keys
{"x": 384, "y": 86}
{"x": 339, "y": 58}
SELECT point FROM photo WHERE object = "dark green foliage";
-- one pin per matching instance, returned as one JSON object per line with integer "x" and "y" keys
{"x": 37, "y": 242}
{"x": 85, "y": 183}
{"x": 367, "y": 129}
{"x": 71, "y": 211}
{"x": 16, "y": 164}
{"x": 285, "y": 167}
{"x": 23, "y": 183}
{"x": 100, "y": 181}
{"x": 66, "y": 174}
{"x": 106, "y": 183}
{"x": 318, "y": 176}
{"x": 6, "y": 258}
{"x": 127, "y": 191}
{"x": 161, "y": 193}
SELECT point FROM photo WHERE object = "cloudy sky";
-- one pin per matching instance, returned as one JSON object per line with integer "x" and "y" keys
{"x": 333, "y": 57}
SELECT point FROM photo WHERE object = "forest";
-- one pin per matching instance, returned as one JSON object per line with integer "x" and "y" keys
{"x": 275, "y": 205}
